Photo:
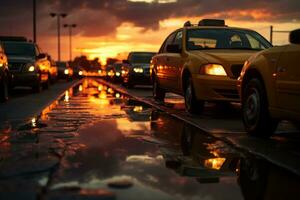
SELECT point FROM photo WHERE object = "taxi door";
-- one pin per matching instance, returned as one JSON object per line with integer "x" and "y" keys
{"x": 288, "y": 79}
{"x": 175, "y": 63}
{"x": 162, "y": 63}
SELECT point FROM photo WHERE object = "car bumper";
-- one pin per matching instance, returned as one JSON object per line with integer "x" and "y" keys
{"x": 25, "y": 79}
{"x": 214, "y": 88}
{"x": 138, "y": 79}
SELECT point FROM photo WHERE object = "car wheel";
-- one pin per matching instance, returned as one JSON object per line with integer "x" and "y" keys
{"x": 255, "y": 111}
{"x": 46, "y": 85}
{"x": 37, "y": 87}
{"x": 4, "y": 89}
{"x": 158, "y": 93}
{"x": 192, "y": 105}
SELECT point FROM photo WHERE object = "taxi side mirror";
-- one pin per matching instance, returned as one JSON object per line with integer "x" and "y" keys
{"x": 295, "y": 36}
{"x": 173, "y": 48}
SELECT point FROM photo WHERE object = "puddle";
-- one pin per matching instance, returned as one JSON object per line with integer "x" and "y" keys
{"x": 123, "y": 149}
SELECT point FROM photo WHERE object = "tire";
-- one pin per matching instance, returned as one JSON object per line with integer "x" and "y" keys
{"x": 46, "y": 85}
{"x": 255, "y": 110}
{"x": 158, "y": 93}
{"x": 4, "y": 89}
{"x": 37, "y": 88}
{"x": 192, "y": 105}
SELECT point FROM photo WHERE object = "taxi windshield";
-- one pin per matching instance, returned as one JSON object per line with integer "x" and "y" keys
{"x": 198, "y": 39}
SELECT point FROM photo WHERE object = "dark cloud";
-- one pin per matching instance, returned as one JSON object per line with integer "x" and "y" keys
{"x": 101, "y": 17}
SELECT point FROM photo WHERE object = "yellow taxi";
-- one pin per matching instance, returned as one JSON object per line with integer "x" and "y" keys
{"x": 269, "y": 86}
{"x": 202, "y": 62}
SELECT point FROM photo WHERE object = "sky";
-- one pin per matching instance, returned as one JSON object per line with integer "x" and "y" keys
{"x": 112, "y": 28}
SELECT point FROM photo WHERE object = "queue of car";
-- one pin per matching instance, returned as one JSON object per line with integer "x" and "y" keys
{"x": 22, "y": 63}
{"x": 212, "y": 62}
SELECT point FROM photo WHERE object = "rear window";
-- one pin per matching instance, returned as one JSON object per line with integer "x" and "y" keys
{"x": 140, "y": 57}
{"x": 19, "y": 49}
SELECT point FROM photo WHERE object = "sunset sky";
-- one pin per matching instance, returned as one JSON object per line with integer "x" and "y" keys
{"x": 111, "y": 28}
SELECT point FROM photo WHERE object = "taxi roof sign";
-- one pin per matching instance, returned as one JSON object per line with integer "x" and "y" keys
{"x": 211, "y": 22}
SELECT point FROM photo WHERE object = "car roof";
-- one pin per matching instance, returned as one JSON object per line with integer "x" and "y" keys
{"x": 142, "y": 52}
{"x": 216, "y": 27}
{"x": 17, "y": 42}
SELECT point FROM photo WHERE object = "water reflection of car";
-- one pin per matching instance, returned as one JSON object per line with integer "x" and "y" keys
{"x": 53, "y": 72}
{"x": 202, "y": 62}
{"x": 191, "y": 153}
{"x": 269, "y": 86}
{"x": 4, "y": 76}
{"x": 27, "y": 64}
{"x": 64, "y": 71}
{"x": 137, "y": 70}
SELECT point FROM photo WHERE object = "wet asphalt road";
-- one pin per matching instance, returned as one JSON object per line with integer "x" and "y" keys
{"x": 98, "y": 143}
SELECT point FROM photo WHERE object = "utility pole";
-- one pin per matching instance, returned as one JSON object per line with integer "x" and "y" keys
{"x": 34, "y": 20}
{"x": 58, "y": 15}
{"x": 70, "y": 26}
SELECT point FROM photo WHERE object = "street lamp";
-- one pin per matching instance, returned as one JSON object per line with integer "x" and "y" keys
{"x": 58, "y": 15}
{"x": 70, "y": 26}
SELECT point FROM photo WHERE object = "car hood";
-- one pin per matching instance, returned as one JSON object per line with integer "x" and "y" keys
{"x": 225, "y": 56}
{"x": 20, "y": 59}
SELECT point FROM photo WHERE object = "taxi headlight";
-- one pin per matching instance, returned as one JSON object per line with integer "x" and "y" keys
{"x": 66, "y": 71}
{"x": 118, "y": 73}
{"x": 138, "y": 70}
{"x": 213, "y": 69}
{"x": 80, "y": 73}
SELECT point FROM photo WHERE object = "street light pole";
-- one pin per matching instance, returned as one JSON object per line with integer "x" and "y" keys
{"x": 58, "y": 15}
{"x": 34, "y": 20}
{"x": 70, "y": 26}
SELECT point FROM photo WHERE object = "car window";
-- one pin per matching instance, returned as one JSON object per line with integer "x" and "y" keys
{"x": 140, "y": 57}
{"x": 37, "y": 50}
{"x": 178, "y": 39}
{"x": 169, "y": 40}
{"x": 19, "y": 49}
{"x": 1, "y": 49}
{"x": 198, "y": 39}
{"x": 255, "y": 44}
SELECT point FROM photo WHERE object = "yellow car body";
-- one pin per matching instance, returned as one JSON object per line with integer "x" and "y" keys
{"x": 277, "y": 70}
{"x": 171, "y": 70}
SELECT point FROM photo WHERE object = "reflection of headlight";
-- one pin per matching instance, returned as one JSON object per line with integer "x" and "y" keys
{"x": 123, "y": 72}
{"x": 138, "y": 70}
{"x": 80, "y": 73}
{"x": 118, "y": 73}
{"x": 99, "y": 71}
{"x": 213, "y": 69}
{"x": 214, "y": 163}
{"x": 1, "y": 64}
{"x": 66, "y": 71}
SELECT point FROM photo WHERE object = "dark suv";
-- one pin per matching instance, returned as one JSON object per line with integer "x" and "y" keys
{"x": 4, "y": 76}
{"x": 29, "y": 67}
{"x": 137, "y": 70}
